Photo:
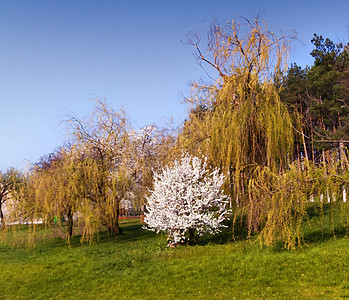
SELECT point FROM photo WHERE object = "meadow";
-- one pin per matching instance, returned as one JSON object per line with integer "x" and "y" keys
{"x": 138, "y": 265}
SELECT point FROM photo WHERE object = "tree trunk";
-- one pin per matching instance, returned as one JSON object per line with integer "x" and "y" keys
{"x": 2, "y": 219}
{"x": 253, "y": 217}
{"x": 70, "y": 223}
{"x": 115, "y": 229}
{"x": 191, "y": 233}
{"x": 113, "y": 226}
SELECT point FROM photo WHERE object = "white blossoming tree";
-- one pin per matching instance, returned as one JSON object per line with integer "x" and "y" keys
{"x": 186, "y": 198}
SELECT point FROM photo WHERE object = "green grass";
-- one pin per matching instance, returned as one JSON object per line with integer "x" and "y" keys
{"x": 138, "y": 265}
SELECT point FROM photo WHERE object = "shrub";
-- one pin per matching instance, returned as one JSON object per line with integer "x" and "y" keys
{"x": 186, "y": 199}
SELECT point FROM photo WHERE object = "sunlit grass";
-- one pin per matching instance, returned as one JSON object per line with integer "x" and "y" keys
{"x": 138, "y": 265}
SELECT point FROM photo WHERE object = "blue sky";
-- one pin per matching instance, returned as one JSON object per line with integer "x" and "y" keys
{"x": 55, "y": 56}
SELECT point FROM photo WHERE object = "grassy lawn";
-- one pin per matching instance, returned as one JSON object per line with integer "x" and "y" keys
{"x": 138, "y": 265}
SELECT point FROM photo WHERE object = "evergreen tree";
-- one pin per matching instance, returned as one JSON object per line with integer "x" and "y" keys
{"x": 320, "y": 94}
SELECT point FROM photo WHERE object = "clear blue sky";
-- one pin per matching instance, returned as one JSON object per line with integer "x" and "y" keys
{"x": 56, "y": 55}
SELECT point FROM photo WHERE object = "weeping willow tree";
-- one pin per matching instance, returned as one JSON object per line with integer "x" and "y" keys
{"x": 60, "y": 190}
{"x": 125, "y": 158}
{"x": 103, "y": 138}
{"x": 238, "y": 119}
{"x": 287, "y": 197}
{"x": 84, "y": 183}
{"x": 54, "y": 191}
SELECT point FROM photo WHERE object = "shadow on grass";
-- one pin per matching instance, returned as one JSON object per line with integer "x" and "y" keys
{"x": 324, "y": 235}
{"x": 315, "y": 211}
{"x": 130, "y": 232}
{"x": 323, "y": 223}
{"x": 233, "y": 231}
{"x": 55, "y": 236}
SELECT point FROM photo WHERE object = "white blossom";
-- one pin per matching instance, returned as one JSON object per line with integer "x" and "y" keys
{"x": 186, "y": 197}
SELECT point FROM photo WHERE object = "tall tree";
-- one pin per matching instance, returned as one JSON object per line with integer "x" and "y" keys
{"x": 103, "y": 136}
{"x": 320, "y": 95}
{"x": 239, "y": 120}
{"x": 85, "y": 182}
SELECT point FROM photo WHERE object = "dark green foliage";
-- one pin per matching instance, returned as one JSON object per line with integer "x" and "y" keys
{"x": 320, "y": 95}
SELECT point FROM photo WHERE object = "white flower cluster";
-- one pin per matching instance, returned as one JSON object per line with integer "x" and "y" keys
{"x": 144, "y": 140}
{"x": 186, "y": 197}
